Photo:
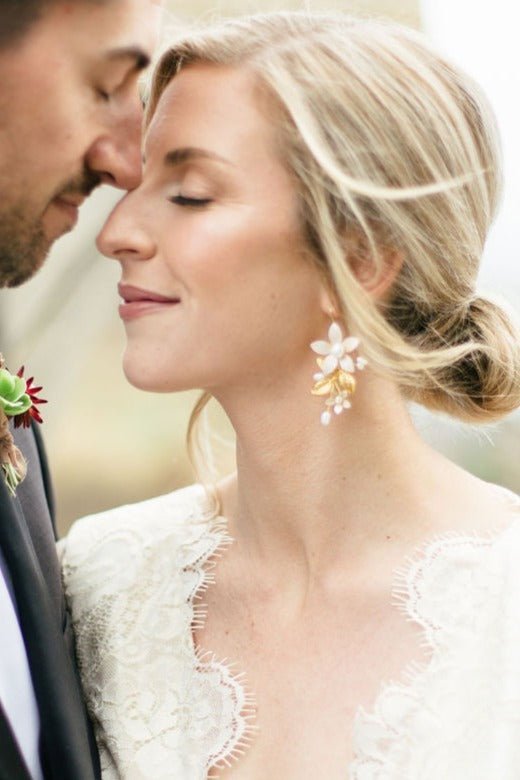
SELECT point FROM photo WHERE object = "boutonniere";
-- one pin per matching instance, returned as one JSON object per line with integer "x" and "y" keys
{"x": 19, "y": 400}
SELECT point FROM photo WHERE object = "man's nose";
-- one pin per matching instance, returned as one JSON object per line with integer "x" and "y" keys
{"x": 116, "y": 154}
{"x": 124, "y": 235}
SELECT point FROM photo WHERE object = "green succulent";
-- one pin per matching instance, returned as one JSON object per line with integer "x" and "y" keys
{"x": 13, "y": 397}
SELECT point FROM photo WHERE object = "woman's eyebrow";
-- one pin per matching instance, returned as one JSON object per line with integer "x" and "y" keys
{"x": 185, "y": 154}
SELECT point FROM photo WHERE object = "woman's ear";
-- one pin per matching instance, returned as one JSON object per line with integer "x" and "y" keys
{"x": 375, "y": 275}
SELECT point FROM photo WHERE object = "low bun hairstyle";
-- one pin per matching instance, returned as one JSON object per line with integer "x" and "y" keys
{"x": 392, "y": 149}
{"x": 481, "y": 386}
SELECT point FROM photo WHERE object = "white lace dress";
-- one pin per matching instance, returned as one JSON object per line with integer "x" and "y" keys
{"x": 162, "y": 712}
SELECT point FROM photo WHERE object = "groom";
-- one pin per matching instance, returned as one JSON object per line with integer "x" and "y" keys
{"x": 69, "y": 120}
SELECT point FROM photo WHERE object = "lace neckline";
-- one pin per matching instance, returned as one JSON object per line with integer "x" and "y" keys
{"x": 237, "y": 706}
{"x": 378, "y": 731}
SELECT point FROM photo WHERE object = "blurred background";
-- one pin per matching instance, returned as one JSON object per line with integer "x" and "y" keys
{"x": 109, "y": 444}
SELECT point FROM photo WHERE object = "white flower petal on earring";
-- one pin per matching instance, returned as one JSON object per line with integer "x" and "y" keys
{"x": 350, "y": 344}
{"x": 337, "y": 346}
{"x": 347, "y": 364}
{"x": 361, "y": 362}
{"x": 329, "y": 364}
{"x": 325, "y": 418}
{"x": 321, "y": 347}
{"x": 335, "y": 334}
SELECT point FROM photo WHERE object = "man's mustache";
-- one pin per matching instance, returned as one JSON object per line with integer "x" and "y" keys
{"x": 81, "y": 185}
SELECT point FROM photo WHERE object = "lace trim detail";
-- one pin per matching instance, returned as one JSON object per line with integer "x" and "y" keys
{"x": 436, "y": 715}
{"x": 231, "y": 742}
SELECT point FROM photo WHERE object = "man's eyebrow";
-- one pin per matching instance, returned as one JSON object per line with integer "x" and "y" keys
{"x": 188, "y": 153}
{"x": 141, "y": 59}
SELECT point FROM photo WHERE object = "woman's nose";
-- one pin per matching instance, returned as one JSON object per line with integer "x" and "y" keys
{"x": 124, "y": 235}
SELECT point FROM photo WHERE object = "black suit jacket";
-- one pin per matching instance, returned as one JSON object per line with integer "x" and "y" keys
{"x": 27, "y": 543}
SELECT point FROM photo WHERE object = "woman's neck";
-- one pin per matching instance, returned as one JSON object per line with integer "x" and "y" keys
{"x": 316, "y": 496}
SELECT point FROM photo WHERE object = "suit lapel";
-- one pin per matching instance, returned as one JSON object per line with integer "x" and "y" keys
{"x": 33, "y": 502}
{"x": 66, "y": 752}
{"x": 46, "y": 477}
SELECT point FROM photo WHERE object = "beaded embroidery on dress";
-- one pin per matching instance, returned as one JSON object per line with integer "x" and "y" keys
{"x": 160, "y": 710}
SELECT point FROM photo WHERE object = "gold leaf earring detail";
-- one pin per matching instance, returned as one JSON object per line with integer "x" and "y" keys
{"x": 337, "y": 364}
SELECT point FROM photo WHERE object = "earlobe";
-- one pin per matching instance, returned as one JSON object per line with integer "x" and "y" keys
{"x": 329, "y": 302}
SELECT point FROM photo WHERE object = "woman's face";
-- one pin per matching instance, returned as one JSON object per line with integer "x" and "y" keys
{"x": 214, "y": 230}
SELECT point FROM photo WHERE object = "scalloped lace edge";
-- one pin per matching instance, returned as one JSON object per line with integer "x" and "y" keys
{"x": 411, "y": 574}
{"x": 243, "y": 728}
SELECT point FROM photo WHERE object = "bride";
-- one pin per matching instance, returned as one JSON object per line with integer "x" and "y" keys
{"x": 304, "y": 246}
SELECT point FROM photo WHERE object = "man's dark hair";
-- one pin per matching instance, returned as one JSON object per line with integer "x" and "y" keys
{"x": 17, "y": 16}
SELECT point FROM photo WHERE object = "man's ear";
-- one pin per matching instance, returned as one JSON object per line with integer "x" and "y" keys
{"x": 375, "y": 274}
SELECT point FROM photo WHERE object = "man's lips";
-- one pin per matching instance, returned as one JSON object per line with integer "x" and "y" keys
{"x": 137, "y": 301}
{"x": 69, "y": 209}
{"x": 72, "y": 200}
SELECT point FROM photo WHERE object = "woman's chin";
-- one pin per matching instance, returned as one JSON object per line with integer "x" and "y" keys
{"x": 140, "y": 374}
{"x": 142, "y": 383}
{"x": 153, "y": 378}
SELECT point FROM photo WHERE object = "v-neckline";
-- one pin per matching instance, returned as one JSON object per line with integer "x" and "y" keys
{"x": 370, "y": 725}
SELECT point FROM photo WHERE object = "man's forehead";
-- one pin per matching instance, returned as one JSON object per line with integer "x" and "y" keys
{"x": 120, "y": 29}
{"x": 127, "y": 12}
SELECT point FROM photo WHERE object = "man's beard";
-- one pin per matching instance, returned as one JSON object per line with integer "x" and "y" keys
{"x": 23, "y": 244}
{"x": 23, "y": 247}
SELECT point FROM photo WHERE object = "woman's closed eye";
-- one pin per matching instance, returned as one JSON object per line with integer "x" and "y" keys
{"x": 182, "y": 200}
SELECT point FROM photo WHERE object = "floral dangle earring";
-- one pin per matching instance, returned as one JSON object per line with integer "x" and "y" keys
{"x": 337, "y": 364}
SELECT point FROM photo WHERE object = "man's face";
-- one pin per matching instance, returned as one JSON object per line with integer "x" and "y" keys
{"x": 70, "y": 119}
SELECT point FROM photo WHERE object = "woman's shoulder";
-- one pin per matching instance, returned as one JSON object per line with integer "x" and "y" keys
{"x": 122, "y": 544}
{"x": 507, "y": 541}
{"x": 145, "y": 518}
{"x": 504, "y": 523}
{"x": 493, "y": 543}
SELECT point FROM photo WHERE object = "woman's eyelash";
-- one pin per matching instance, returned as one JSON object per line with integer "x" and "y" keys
{"x": 181, "y": 200}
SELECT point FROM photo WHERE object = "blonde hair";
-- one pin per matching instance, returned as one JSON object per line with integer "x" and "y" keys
{"x": 392, "y": 150}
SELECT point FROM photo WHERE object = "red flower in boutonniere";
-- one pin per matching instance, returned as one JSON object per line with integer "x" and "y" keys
{"x": 32, "y": 412}
{"x": 18, "y": 399}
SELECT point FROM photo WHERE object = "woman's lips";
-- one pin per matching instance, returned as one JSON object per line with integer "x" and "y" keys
{"x": 137, "y": 302}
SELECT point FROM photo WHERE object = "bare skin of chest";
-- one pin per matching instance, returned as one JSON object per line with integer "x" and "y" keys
{"x": 316, "y": 645}
{"x": 309, "y": 675}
